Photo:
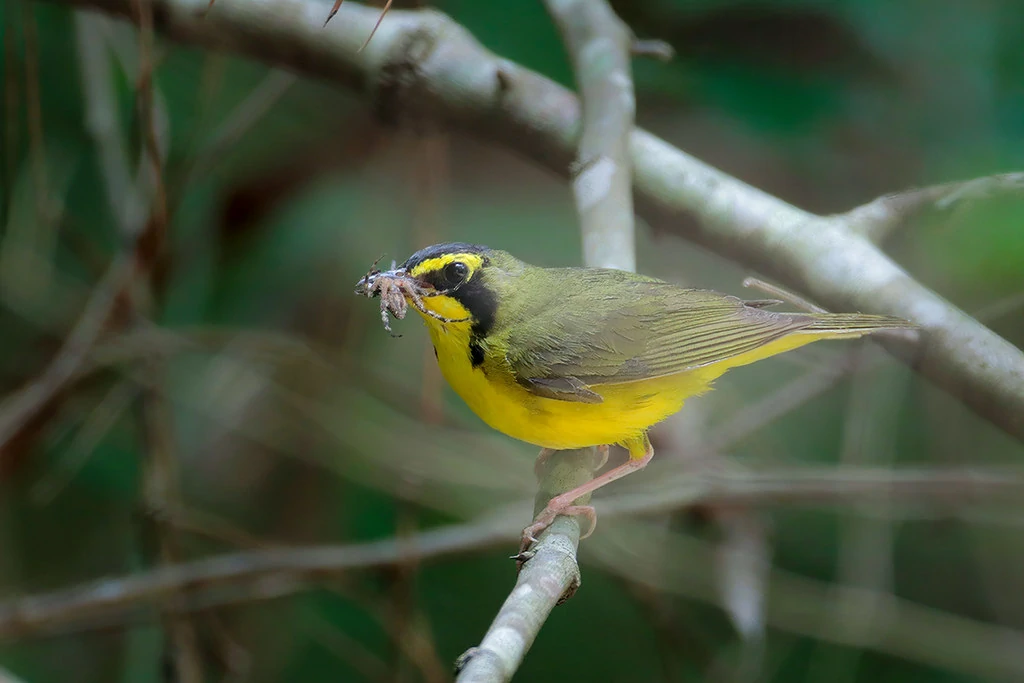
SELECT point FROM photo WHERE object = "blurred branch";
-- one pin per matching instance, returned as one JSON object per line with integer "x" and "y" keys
{"x": 242, "y": 119}
{"x": 252, "y": 576}
{"x": 877, "y": 219}
{"x": 103, "y": 123}
{"x": 242, "y": 577}
{"x": 812, "y": 608}
{"x": 159, "y": 466}
{"x": 20, "y": 408}
{"x": 421, "y": 65}
{"x": 23, "y": 405}
{"x": 7, "y": 677}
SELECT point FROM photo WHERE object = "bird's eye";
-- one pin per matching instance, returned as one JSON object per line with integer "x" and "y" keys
{"x": 455, "y": 272}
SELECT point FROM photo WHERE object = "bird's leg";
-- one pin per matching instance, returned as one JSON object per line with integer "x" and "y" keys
{"x": 564, "y": 504}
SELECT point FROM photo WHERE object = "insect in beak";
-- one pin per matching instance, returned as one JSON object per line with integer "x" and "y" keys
{"x": 396, "y": 289}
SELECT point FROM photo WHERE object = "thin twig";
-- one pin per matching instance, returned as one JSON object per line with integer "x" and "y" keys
{"x": 34, "y": 119}
{"x": 18, "y": 408}
{"x": 242, "y": 118}
{"x": 658, "y": 49}
{"x": 784, "y": 294}
{"x": 877, "y": 219}
{"x": 160, "y": 479}
{"x": 103, "y": 123}
{"x": 373, "y": 31}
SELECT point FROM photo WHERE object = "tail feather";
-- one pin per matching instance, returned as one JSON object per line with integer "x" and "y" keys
{"x": 842, "y": 324}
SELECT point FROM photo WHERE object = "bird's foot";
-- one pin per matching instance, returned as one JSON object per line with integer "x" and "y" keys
{"x": 557, "y": 506}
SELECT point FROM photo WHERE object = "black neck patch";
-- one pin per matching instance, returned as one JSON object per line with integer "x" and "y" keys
{"x": 482, "y": 305}
{"x": 473, "y": 294}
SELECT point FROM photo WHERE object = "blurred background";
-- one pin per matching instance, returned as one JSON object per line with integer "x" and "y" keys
{"x": 235, "y": 394}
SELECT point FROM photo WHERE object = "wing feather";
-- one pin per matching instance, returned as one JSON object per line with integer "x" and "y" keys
{"x": 645, "y": 329}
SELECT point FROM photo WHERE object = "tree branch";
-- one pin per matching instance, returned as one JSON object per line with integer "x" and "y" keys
{"x": 548, "y": 577}
{"x": 422, "y": 66}
{"x": 20, "y": 407}
{"x": 251, "y": 576}
{"x": 599, "y": 46}
{"x": 877, "y": 219}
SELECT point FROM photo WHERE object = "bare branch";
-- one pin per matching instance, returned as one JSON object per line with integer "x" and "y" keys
{"x": 548, "y": 576}
{"x": 252, "y": 576}
{"x": 240, "y": 577}
{"x": 599, "y": 46}
{"x": 446, "y": 75}
{"x": 658, "y": 49}
{"x": 877, "y": 219}
{"x": 18, "y": 408}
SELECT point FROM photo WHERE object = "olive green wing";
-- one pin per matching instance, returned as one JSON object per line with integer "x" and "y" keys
{"x": 640, "y": 330}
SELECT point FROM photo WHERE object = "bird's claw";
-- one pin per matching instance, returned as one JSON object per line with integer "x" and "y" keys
{"x": 547, "y": 516}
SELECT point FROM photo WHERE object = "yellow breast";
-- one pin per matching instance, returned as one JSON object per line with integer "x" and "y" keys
{"x": 492, "y": 393}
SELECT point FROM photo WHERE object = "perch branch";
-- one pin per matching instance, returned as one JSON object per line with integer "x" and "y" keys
{"x": 549, "y": 576}
{"x": 422, "y": 66}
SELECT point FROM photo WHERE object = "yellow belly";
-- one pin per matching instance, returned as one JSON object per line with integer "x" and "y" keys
{"x": 627, "y": 411}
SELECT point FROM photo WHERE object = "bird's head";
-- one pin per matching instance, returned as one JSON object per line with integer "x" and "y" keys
{"x": 446, "y": 283}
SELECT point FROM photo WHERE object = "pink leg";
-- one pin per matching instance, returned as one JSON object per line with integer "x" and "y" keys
{"x": 563, "y": 504}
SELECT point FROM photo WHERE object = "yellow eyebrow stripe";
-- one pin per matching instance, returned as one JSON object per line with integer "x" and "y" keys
{"x": 474, "y": 261}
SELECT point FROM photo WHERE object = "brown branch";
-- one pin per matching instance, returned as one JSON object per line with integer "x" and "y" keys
{"x": 422, "y": 65}
{"x": 22, "y": 406}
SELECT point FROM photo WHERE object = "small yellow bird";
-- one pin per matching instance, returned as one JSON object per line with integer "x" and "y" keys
{"x": 567, "y": 358}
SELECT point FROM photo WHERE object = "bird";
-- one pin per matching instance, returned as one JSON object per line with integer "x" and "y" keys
{"x": 574, "y": 357}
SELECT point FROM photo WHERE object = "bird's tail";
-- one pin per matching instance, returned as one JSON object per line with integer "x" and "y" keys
{"x": 853, "y": 324}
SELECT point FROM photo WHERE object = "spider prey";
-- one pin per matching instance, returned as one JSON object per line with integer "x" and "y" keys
{"x": 393, "y": 287}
